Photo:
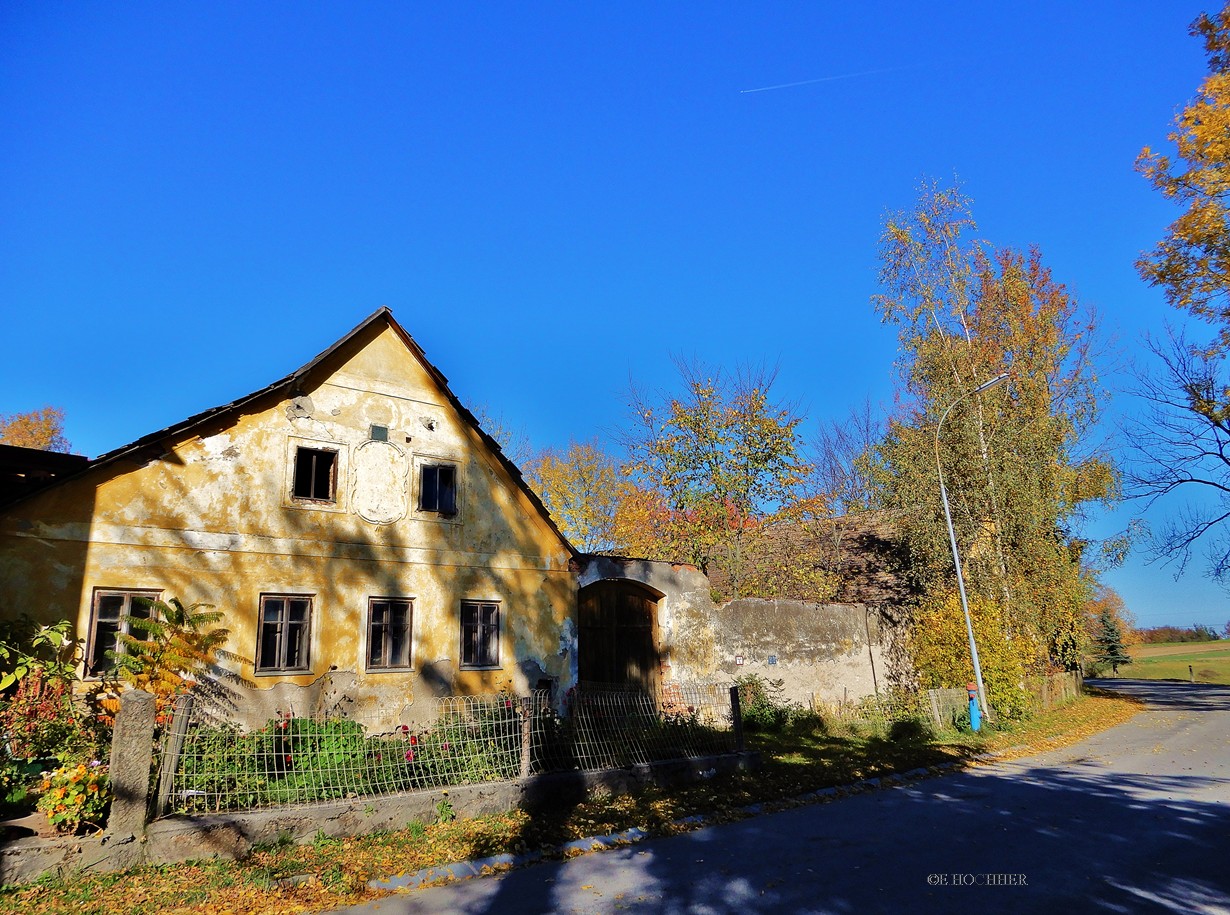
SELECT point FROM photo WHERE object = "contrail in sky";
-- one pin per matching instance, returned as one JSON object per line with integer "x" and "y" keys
{"x": 823, "y": 79}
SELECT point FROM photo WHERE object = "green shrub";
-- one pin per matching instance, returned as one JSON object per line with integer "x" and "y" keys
{"x": 909, "y": 730}
{"x": 762, "y": 705}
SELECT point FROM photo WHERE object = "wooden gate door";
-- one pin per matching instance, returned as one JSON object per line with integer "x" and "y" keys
{"x": 618, "y": 635}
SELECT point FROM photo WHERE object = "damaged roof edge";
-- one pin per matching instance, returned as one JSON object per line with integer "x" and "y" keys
{"x": 289, "y": 381}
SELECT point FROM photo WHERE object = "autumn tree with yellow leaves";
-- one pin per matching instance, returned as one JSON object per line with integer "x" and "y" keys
{"x": 582, "y": 488}
{"x": 1192, "y": 263}
{"x": 1017, "y": 459}
{"x": 709, "y": 467}
{"x": 42, "y": 429}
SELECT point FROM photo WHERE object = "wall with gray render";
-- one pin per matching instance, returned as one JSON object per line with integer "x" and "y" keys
{"x": 822, "y": 652}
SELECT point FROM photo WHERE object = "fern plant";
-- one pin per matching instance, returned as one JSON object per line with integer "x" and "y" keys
{"x": 167, "y": 651}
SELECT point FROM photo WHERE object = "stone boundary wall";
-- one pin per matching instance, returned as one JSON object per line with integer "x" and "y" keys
{"x": 232, "y": 835}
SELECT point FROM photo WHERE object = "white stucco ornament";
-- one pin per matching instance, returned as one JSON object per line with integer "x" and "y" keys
{"x": 380, "y": 472}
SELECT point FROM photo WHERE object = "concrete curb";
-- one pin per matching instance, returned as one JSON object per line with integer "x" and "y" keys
{"x": 485, "y": 867}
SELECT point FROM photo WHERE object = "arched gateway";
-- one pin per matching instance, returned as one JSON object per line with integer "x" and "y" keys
{"x": 618, "y": 638}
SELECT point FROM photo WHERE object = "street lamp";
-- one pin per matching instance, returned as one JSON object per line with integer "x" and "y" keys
{"x": 952, "y": 537}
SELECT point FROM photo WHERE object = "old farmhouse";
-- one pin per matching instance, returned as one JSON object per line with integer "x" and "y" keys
{"x": 363, "y": 536}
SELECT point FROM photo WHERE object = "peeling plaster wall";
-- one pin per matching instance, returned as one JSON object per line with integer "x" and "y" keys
{"x": 821, "y": 652}
{"x": 826, "y": 652}
{"x": 685, "y": 641}
{"x": 211, "y": 517}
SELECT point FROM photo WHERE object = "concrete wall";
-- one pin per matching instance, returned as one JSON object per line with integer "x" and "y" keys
{"x": 210, "y": 516}
{"x": 823, "y": 652}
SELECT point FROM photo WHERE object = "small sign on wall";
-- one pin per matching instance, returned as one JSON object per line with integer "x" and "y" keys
{"x": 772, "y": 659}
{"x": 738, "y": 660}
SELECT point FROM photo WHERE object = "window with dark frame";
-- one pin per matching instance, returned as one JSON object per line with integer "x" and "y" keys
{"x": 389, "y": 631}
{"x": 315, "y": 474}
{"x": 480, "y": 634}
{"x": 109, "y": 618}
{"x": 438, "y": 489}
{"x": 285, "y": 635}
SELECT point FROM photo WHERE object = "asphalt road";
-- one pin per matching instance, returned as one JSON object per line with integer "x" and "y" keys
{"x": 1136, "y": 819}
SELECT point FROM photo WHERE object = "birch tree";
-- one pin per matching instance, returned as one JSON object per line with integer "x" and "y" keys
{"x": 1017, "y": 459}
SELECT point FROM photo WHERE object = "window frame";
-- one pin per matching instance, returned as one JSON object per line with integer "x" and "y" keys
{"x": 436, "y": 466}
{"x": 341, "y": 469}
{"x": 482, "y": 647}
{"x": 334, "y": 467}
{"x": 95, "y": 661}
{"x": 369, "y": 628}
{"x": 282, "y": 634}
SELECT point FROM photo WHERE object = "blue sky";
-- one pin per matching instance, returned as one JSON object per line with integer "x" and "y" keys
{"x": 553, "y": 198}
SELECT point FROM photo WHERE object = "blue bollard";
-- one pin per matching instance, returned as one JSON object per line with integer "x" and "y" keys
{"x": 975, "y": 713}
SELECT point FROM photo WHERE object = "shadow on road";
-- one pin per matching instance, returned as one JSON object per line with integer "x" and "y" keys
{"x": 1172, "y": 694}
{"x": 1108, "y": 843}
{"x": 1084, "y": 836}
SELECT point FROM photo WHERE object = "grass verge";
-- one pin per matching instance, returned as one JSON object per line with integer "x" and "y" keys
{"x": 329, "y": 873}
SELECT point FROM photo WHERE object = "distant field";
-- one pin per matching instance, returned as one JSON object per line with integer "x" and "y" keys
{"x": 1169, "y": 661}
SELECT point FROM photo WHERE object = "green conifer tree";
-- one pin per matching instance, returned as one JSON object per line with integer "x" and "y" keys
{"x": 1108, "y": 643}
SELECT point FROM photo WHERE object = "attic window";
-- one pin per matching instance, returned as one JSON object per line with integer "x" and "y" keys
{"x": 315, "y": 475}
{"x": 380, "y": 433}
{"x": 438, "y": 489}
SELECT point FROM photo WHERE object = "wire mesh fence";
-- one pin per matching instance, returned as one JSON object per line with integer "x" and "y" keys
{"x": 935, "y": 709}
{"x": 604, "y": 727}
{"x": 209, "y": 766}
{"x": 939, "y": 709}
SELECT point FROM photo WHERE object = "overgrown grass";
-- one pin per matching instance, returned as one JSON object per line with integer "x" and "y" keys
{"x": 1209, "y": 661}
{"x": 327, "y": 873}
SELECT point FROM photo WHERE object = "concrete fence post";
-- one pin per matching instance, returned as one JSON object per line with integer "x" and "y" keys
{"x": 736, "y": 718}
{"x": 527, "y": 734}
{"x": 132, "y": 751}
{"x": 175, "y": 746}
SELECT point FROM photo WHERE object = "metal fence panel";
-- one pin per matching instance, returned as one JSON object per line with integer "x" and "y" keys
{"x": 293, "y": 760}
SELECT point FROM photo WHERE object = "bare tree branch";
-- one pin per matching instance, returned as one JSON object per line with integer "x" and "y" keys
{"x": 1182, "y": 446}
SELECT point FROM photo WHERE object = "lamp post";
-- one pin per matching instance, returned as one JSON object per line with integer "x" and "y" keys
{"x": 952, "y": 537}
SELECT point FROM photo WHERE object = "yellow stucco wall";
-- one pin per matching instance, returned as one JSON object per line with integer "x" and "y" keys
{"x": 213, "y": 519}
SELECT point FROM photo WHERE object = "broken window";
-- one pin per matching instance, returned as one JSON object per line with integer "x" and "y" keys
{"x": 285, "y": 635}
{"x": 315, "y": 474}
{"x": 480, "y": 634}
{"x": 438, "y": 489}
{"x": 388, "y": 633}
{"x": 111, "y": 616}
